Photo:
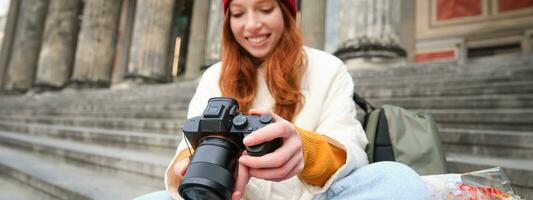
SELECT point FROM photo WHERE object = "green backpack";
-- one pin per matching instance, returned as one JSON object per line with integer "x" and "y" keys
{"x": 395, "y": 134}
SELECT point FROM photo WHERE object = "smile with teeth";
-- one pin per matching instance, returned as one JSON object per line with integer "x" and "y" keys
{"x": 257, "y": 39}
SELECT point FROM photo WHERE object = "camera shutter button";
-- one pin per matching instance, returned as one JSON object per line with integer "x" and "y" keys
{"x": 240, "y": 121}
{"x": 265, "y": 119}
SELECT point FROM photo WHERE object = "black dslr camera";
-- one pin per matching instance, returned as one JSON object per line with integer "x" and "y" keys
{"x": 217, "y": 138}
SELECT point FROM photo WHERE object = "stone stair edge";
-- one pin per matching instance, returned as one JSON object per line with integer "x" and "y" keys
{"x": 524, "y": 71}
{"x": 116, "y": 138}
{"x": 471, "y": 64}
{"x": 53, "y": 190}
{"x": 513, "y": 88}
{"x": 144, "y": 163}
{"x": 77, "y": 180}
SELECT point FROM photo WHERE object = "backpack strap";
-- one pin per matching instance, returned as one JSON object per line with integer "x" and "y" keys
{"x": 363, "y": 104}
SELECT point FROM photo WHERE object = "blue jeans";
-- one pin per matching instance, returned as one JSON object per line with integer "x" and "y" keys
{"x": 382, "y": 180}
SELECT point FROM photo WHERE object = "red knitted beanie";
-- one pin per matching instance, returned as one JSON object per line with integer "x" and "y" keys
{"x": 291, "y": 4}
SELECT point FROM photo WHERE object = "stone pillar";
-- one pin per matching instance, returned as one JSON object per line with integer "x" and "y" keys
{"x": 407, "y": 28}
{"x": 369, "y": 29}
{"x": 197, "y": 39}
{"x": 214, "y": 32}
{"x": 7, "y": 40}
{"x": 125, "y": 29}
{"x": 313, "y": 22}
{"x": 59, "y": 44}
{"x": 96, "y": 43}
{"x": 25, "y": 51}
{"x": 149, "y": 52}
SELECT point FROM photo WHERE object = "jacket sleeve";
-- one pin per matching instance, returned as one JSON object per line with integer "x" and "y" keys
{"x": 321, "y": 158}
{"x": 338, "y": 123}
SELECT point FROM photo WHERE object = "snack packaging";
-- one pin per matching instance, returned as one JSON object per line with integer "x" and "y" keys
{"x": 489, "y": 184}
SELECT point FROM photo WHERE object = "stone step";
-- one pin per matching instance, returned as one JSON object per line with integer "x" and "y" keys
{"x": 140, "y": 162}
{"x": 443, "y": 83}
{"x": 460, "y": 78}
{"x": 64, "y": 180}
{"x": 76, "y": 105}
{"x": 123, "y": 139}
{"x": 163, "y": 126}
{"x": 495, "y": 119}
{"x": 61, "y": 100}
{"x": 174, "y": 92}
{"x": 519, "y": 171}
{"x": 459, "y": 102}
{"x": 169, "y": 114}
{"x": 471, "y": 66}
{"x": 503, "y": 127}
{"x": 514, "y": 87}
{"x": 516, "y": 116}
{"x": 130, "y": 107}
{"x": 494, "y": 143}
{"x": 11, "y": 189}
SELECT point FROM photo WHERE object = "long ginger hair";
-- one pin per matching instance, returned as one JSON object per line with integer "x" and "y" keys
{"x": 283, "y": 67}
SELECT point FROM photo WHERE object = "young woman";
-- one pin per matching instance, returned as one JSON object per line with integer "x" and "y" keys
{"x": 266, "y": 68}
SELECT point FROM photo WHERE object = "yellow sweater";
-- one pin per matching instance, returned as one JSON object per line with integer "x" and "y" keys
{"x": 321, "y": 159}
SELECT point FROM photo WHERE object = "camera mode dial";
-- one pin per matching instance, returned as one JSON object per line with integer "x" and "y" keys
{"x": 240, "y": 121}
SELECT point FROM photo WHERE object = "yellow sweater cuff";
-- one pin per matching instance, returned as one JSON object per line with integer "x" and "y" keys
{"x": 321, "y": 159}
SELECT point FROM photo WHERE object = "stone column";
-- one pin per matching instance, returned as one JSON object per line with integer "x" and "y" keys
{"x": 368, "y": 29}
{"x": 313, "y": 22}
{"x": 214, "y": 32}
{"x": 407, "y": 32}
{"x": 149, "y": 52}
{"x": 25, "y": 51}
{"x": 7, "y": 40}
{"x": 197, "y": 39}
{"x": 96, "y": 43}
{"x": 125, "y": 29}
{"x": 59, "y": 44}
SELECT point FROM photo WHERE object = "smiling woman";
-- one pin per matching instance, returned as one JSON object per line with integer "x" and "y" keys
{"x": 256, "y": 27}
{"x": 262, "y": 33}
{"x": 267, "y": 70}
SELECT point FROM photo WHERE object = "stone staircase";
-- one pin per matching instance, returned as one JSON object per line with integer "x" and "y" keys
{"x": 115, "y": 144}
{"x": 484, "y": 110}
{"x": 90, "y": 144}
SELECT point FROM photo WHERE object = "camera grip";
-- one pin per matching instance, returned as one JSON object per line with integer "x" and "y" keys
{"x": 264, "y": 148}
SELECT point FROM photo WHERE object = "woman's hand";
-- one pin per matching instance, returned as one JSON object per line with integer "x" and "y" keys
{"x": 179, "y": 171}
{"x": 282, "y": 164}
{"x": 181, "y": 166}
{"x": 242, "y": 179}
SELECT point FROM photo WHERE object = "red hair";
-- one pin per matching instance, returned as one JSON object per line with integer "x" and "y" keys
{"x": 283, "y": 69}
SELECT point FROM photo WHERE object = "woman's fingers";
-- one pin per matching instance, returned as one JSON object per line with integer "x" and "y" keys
{"x": 287, "y": 170}
{"x": 242, "y": 179}
{"x": 181, "y": 166}
{"x": 296, "y": 170}
{"x": 277, "y": 158}
{"x": 280, "y": 129}
{"x": 285, "y": 162}
{"x": 258, "y": 112}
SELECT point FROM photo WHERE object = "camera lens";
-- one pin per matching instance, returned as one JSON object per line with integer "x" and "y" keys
{"x": 210, "y": 174}
{"x": 199, "y": 193}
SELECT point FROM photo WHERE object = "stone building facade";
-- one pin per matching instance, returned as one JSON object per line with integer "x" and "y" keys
{"x": 54, "y": 44}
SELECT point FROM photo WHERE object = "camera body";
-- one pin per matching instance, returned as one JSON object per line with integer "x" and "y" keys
{"x": 220, "y": 118}
{"x": 217, "y": 137}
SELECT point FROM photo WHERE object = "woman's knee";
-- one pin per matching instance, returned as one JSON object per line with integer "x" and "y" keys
{"x": 382, "y": 180}
{"x": 399, "y": 179}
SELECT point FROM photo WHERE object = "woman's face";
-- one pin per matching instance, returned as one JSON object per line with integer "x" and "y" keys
{"x": 257, "y": 25}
